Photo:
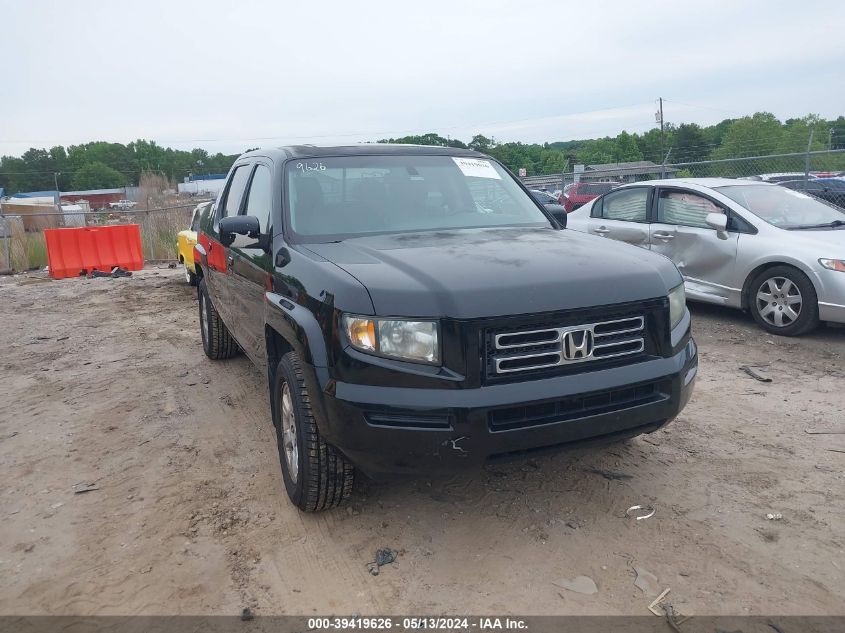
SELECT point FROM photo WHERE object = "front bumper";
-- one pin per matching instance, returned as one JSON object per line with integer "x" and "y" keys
{"x": 394, "y": 430}
{"x": 830, "y": 285}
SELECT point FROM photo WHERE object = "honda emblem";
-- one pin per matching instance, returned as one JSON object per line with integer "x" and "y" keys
{"x": 577, "y": 344}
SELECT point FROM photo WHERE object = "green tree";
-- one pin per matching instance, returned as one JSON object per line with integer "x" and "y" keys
{"x": 14, "y": 176}
{"x": 419, "y": 139}
{"x": 480, "y": 143}
{"x": 795, "y": 135}
{"x": 650, "y": 144}
{"x": 755, "y": 135}
{"x": 689, "y": 144}
{"x": 626, "y": 149}
{"x": 836, "y": 133}
{"x": 97, "y": 175}
{"x": 597, "y": 152}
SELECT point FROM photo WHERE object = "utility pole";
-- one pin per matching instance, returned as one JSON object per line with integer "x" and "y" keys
{"x": 807, "y": 159}
{"x": 659, "y": 117}
{"x": 56, "y": 175}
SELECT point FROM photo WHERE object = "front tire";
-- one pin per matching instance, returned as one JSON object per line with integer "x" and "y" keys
{"x": 783, "y": 301}
{"x": 217, "y": 342}
{"x": 316, "y": 475}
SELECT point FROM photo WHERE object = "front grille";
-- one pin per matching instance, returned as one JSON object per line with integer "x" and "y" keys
{"x": 576, "y": 407}
{"x": 632, "y": 332}
{"x": 547, "y": 348}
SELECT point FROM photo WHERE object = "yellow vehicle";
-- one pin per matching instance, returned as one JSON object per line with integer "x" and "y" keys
{"x": 185, "y": 241}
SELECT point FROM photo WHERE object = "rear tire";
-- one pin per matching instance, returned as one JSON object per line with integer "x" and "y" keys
{"x": 217, "y": 343}
{"x": 783, "y": 301}
{"x": 316, "y": 475}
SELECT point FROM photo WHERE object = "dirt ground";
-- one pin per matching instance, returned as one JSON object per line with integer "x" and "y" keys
{"x": 103, "y": 382}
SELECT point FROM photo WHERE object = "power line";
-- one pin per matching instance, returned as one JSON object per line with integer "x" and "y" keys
{"x": 702, "y": 107}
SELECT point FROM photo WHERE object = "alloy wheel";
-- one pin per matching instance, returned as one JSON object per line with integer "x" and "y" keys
{"x": 779, "y": 301}
{"x": 289, "y": 434}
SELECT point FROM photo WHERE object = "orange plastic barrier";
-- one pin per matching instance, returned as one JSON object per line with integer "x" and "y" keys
{"x": 73, "y": 252}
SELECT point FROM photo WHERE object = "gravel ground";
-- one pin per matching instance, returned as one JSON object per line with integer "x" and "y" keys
{"x": 104, "y": 385}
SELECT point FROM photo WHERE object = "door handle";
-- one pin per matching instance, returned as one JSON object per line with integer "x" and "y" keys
{"x": 230, "y": 260}
{"x": 664, "y": 236}
{"x": 601, "y": 230}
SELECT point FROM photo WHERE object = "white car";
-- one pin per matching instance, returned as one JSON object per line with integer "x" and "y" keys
{"x": 745, "y": 244}
{"x": 122, "y": 205}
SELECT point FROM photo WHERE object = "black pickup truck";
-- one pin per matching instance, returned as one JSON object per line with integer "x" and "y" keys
{"x": 414, "y": 310}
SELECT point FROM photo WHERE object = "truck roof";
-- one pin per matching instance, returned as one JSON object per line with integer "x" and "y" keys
{"x": 362, "y": 149}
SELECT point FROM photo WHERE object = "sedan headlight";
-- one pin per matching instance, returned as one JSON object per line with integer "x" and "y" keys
{"x": 833, "y": 264}
{"x": 677, "y": 305}
{"x": 394, "y": 338}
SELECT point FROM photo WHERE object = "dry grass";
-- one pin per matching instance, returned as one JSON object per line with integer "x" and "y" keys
{"x": 36, "y": 250}
{"x": 159, "y": 229}
{"x": 151, "y": 188}
{"x": 20, "y": 244}
{"x": 158, "y": 236}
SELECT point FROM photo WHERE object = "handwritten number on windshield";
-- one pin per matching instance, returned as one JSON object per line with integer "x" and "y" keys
{"x": 313, "y": 166}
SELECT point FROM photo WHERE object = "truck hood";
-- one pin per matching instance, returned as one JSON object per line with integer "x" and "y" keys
{"x": 472, "y": 273}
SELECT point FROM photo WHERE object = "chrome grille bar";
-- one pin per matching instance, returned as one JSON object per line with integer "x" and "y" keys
{"x": 554, "y": 347}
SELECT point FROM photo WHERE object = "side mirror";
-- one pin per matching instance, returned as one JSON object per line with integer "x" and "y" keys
{"x": 718, "y": 221}
{"x": 557, "y": 212}
{"x": 240, "y": 231}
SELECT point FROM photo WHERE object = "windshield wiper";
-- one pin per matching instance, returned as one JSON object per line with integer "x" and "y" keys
{"x": 826, "y": 225}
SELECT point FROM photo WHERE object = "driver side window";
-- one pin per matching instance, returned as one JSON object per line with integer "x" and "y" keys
{"x": 235, "y": 191}
{"x": 685, "y": 208}
{"x": 259, "y": 202}
{"x": 630, "y": 205}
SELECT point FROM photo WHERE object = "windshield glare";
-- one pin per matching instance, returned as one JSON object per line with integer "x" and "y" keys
{"x": 782, "y": 207}
{"x": 339, "y": 197}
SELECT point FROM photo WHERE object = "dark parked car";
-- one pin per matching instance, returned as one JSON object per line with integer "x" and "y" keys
{"x": 543, "y": 197}
{"x": 829, "y": 189}
{"x": 414, "y": 310}
{"x": 550, "y": 203}
{"x": 581, "y": 193}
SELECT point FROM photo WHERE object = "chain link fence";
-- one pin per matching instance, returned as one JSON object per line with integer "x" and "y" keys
{"x": 5, "y": 247}
{"x": 818, "y": 173}
{"x": 22, "y": 245}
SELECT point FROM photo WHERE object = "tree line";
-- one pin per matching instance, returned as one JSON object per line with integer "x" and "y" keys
{"x": 759, "y": 134}
{"x": 102, "y": 165}
{"x": 99, "y": 164}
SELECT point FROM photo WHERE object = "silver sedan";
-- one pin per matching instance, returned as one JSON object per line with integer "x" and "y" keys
{"x": 751, "y": 245}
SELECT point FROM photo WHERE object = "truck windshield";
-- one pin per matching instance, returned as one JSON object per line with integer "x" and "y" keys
{"x": 340, "y": 197}
{"x": 783, "y": 207}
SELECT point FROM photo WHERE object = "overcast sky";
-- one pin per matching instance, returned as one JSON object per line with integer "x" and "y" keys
{"x": 228, "y": 75}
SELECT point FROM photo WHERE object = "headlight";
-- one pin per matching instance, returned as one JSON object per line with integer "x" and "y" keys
{"x": 833, "y": 264}
{"x": 394, "y": 338}
{"x": 677, "y": 305}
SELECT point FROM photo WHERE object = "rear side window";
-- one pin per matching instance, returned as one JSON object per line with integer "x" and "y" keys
{"x": 260, "y": 200}
{"x": 685, "y": 208}
{"x": 236, "y": 191}
{"x": 630, "y": 205}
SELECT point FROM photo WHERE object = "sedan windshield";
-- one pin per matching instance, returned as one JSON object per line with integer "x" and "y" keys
{"x": 339, "y": 197}
{"x": 783, "y": 207}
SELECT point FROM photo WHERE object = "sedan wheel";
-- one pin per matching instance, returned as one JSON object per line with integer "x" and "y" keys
{"x": 779, "y": 301}
{"x": 783, "y": 301}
